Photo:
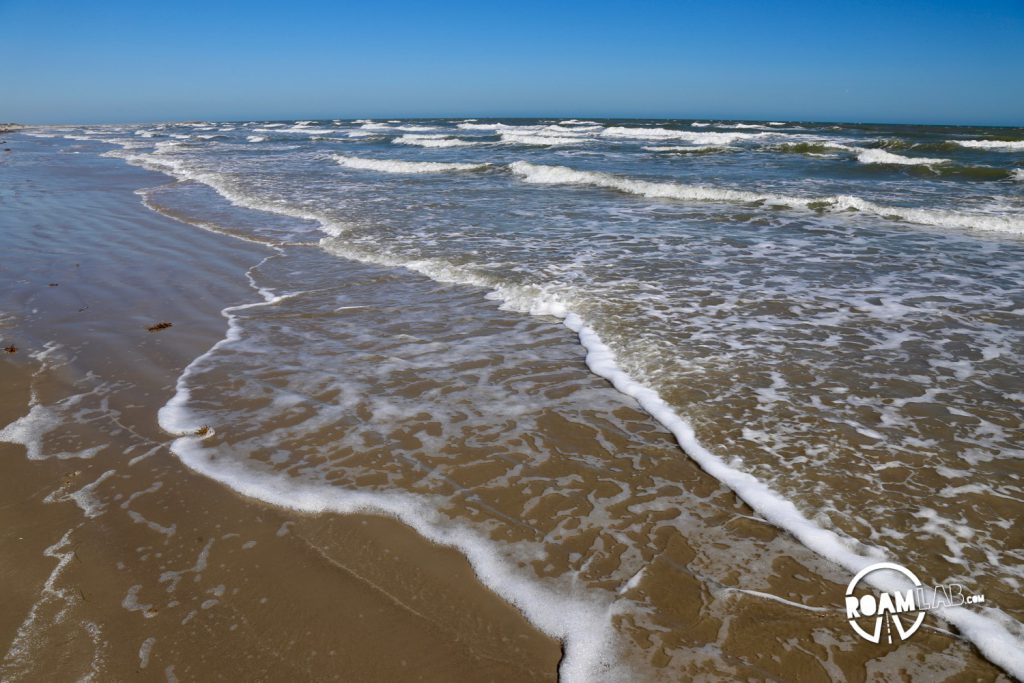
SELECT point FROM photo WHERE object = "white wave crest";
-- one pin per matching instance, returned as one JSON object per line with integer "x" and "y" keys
{"x": 540, "y": 140}
{"x": 994, "y": 145}
{"x": 304, "y": 130}
{"x": 563, "y": 175}
{"x": 670, "y": 134}
{"x": 257, "y": 138}
{"x": 880, "y": 156}
{"x": 384, "y": 127}
{"x": 486, "y": 126}
{"x": 398, "y": 166}
{"x": 432, "y": 141}
{"x": 582, "y": 129}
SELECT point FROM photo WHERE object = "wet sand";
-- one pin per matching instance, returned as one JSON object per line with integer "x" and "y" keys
{"x": 128, "y": 562}
{"x": 167, "y": 574}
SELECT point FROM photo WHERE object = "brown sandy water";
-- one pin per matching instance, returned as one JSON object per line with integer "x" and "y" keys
{"x": 360, "y": 380}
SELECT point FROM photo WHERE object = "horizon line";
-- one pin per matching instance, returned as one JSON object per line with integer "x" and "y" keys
{"x": 516, "y": 117}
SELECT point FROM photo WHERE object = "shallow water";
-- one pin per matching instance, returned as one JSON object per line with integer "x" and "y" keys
{"x": 838, "y": 311}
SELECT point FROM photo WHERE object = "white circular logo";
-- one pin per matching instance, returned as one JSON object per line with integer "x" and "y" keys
{"x": 889, "y": 609}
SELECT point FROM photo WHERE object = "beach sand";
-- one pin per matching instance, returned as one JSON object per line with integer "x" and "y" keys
{"x": 127, "y": 562}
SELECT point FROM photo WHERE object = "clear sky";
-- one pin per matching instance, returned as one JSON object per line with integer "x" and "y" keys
{"x": 895, "y": 61}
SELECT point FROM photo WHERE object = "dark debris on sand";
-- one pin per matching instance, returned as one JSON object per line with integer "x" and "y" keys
{"x": 159, "y": 326}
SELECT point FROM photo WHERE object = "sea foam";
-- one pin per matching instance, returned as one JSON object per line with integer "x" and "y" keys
{"x": 582, "y": 622}
{"x": 397, "y": 166}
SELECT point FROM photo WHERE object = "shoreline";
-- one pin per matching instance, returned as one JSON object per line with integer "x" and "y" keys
{"x": 986, "y": 633}
{"x": 135, "y": 527}
{"x": 505, "y": 605}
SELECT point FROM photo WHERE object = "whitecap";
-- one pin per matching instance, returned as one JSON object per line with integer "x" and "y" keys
{"x": 994, "y": 145}
{"x": 539, "y": 140}
{"x": 671, "y": 134}
{"x": 432, "y": 141}
{"x": 398, "y": 166}
{"x": 880, "y": 156}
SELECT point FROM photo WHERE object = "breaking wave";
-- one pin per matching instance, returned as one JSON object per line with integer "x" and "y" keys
{"x": 880, "y": 156}
{"x": 687, "y": 135}
{"x": 992, "y": 145}
{"x": 397, "y": 166}
{"x": 432, "y": 141}
{"x": 562, "y": 175}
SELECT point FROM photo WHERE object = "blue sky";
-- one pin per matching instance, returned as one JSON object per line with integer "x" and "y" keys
{"x": 898, "y": 61}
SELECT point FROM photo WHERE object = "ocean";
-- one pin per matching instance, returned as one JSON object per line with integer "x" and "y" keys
{"x": 629, "y": 368}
